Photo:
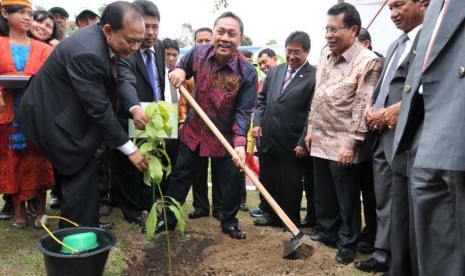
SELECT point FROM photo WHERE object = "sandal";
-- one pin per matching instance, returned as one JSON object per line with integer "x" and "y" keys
{"x": 19, "y": 225}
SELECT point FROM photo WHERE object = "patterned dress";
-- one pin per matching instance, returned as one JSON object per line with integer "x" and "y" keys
{"x": 24, "y": 171}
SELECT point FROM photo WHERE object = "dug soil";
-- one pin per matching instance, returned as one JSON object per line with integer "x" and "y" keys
{"x": 204, "y": 250}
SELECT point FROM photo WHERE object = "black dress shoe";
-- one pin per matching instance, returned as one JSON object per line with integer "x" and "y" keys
{"x": 234, "y": 232}
{"x": 324, "y": 239}
{"x": 106, "y": 225}
{"x": 161, "y": 227}
{"x": 366, "y": 247}
{"x": 267, "y": 222}
{"x": 137, "y": 221}
{"x": 218, "y": 215}
{"x": 345, "y": 256}
{"x": 372, "y": 265}
{"x": 197, "y": 214}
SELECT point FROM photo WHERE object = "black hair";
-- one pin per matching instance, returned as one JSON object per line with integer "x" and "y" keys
{"x": 267, "y": 51}
{"x": 247, "y": 53}
{"x": 115, "y": 12}
{"x": 233, "y": 15}
{"x": 40, "y": 16}
{"x": 351, "y": 15}
{"x": 147, "y": 8}
{"x": 4, "y": 26}
{"x": 364, "y": 35}
{"x": 203, "y": 29}
{"x": 170, "y": 43}
{"x": 299, "y": 37}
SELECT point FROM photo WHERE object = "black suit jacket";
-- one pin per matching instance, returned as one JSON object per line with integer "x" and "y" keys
{"x": 282, "y": 116}
{"x": 66, "y": 109}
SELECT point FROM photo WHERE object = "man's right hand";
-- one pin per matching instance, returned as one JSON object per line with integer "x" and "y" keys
{"x": 177, "y": 77}
{"x": 139, "y": 117}
{"x": 257, "y": 132}
{"x": 308, "y": 142}
{"x": 139, "y": 161}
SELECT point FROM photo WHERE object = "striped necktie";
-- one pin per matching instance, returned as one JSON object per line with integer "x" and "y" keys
{"x": 288, "y": 78}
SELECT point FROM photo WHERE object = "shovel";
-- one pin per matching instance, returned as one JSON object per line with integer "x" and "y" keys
{"x": 290, "y": 246}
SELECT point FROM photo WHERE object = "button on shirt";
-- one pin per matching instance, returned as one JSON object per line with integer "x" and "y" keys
{"x": 344, "y": 86}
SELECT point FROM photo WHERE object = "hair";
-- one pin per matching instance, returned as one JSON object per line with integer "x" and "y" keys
{"x": 233, "y": 15}
{"x": 115, "y": 12}
{"x": 267, "y": 51}
{"x": 200, "y": 30}
{"x": 351, "y": 15}
{"x": 299, "y": 37}
{"x": 364, "y": 35}
{"x": 171, "y": 43}
{"x": 248, "y": 54}
{"x": 4, "y": 26}
{"x": 147, "y": 8}
{"x": 40, "y": 16}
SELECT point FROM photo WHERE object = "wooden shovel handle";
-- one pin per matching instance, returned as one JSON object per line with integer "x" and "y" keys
{"x": 294, "y": 230}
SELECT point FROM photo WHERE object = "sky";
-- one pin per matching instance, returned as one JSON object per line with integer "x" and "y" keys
{"x": 263, "y": 19}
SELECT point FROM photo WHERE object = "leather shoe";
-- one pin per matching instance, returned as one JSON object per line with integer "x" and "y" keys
{"x": 267, "y": 222}
{"x": 106, "y": 225}
{"x": 234, "y": 232}
{"x": 366, "y": 247}
{"x": 372, "y": 265}
{"x": 345, "y": 256}
{"x": 137, "y": 221}
{"x": 197, "y": 214}
{"x": 218, "y": 215}
{"x": 324, "y": 239}
{"x": 244, "y": 207}
{"x": 161, "y": 227}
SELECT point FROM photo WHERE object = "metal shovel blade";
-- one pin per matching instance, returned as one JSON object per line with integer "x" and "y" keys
{"x": 291, "y": 246}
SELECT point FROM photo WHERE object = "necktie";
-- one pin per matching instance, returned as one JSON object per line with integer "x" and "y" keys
{"x": 384, "y": 90}
{"x": 288, "y": 78}
{"x": 150, "y": 72}
{"x": 435, "y": 32}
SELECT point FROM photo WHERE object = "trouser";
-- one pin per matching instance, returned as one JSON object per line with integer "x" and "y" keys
{"x": 309, "y": 190}
{"x": 367, "y": 188}
{"x": 200, "y": 187}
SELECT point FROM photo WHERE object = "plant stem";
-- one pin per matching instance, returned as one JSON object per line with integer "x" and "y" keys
{"x": 166, "y": 228}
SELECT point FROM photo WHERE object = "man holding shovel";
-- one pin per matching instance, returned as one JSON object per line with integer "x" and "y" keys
{"x": 225, "y": 88}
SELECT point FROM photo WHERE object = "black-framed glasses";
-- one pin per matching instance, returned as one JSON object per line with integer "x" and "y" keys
{"x": 334, "y": 29}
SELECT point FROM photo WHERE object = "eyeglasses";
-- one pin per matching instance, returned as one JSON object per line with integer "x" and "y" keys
{"x": 334, "y": 29}
{"x": 296, "y": 53}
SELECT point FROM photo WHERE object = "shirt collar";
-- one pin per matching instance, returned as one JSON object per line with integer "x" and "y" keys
{"x": 348, "y": 54}
{"x": 142, "y": 50}
{"x": 413, "y": 33}
{"x": 112, "y": 54}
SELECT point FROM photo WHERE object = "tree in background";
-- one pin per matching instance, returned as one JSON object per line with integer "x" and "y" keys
{"x": 271, "y": 42}
{"x": 246, "y": 41}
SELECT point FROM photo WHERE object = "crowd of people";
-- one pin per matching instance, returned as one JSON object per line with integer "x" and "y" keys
{"x": 358, "y": 125}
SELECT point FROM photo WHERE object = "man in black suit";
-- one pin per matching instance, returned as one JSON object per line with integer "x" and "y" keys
{"x": 134, "y": 78}
{"x": 68, "y": 108}
{"x": 279, "y": 122}
{"x": 392, "y": 204}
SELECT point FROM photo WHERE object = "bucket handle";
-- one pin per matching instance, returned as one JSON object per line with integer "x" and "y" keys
{"x": 43, "y": 221}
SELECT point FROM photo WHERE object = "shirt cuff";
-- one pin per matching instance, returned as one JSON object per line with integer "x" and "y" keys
{"x": 128, "y": 148}
{"x": 132, "y": 107}
{"x": 240, "y": 141}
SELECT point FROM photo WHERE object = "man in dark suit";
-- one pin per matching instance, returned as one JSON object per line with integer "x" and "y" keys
{"x": 279, "y": 121}
{"x": 407, "y": 16}
{"x": 132, "y": 194}
{"x": 68, "y": 108}
{"x": 431, "y": 127}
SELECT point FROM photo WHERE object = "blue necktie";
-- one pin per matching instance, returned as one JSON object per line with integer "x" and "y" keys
{"x": 151, "y": 72}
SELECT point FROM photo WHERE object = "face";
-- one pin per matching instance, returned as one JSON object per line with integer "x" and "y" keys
{"x": 20, "y": 20}
{"x": 171, "y": 57}
{"x": 204, "y": 37}
{"x": 62, "y": 22}
{"x": 152, "y": 28}
{"x": 126, "y": 41}
{"x": 227, "y": 38}
{"x": 266, "y": 63}
{"x": 86, "y": 19}
{"x": 42, "y": 30}
{"x": 406, "y": 14}
{"x": 339, "y": 37}
{"x": 295, "y": 55}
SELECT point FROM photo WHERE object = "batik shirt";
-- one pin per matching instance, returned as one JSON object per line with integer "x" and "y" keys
{"x": 344, "y": 86}
{"x": 226, "y": 94}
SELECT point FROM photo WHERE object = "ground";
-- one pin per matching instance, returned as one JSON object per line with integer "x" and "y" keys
{"x": 202, "y": 250}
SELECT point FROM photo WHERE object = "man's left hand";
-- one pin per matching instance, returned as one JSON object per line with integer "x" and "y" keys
{"x": 240, "y": 150}
{"x": 391, "y": 114}
{"x": 300, "y": 152}
{"x": 139, "y": 117}
{"x": 346, "y": 157}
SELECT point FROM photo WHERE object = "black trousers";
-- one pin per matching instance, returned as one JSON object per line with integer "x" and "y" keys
{"x": 80, "y": 196}
{"x": 282, "y": 177}
{"x": 228, "y": 178}
{"x": 309, "y": 187}
{"x": 337, "y": 201}
{"x": 369, "y": 202}
{"x": 200, "y": 187}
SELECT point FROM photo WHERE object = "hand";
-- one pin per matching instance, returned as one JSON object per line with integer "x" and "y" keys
{"x": 53, "y": 42}
{"x": 177, "y": 77}
{"x": 139, "y": 161}
{"x": 139, "y": 117}
{"x": 300, "y": 152}
{"x": 308, "y": 142}
{"x": 240, "y": 150}
{"x": 2, "y": 103}
{"x": 346, "y": 156}
{"x": 391, "y": 115}
{"x": 257, "y": 132}
{"x": 377, "y": 120}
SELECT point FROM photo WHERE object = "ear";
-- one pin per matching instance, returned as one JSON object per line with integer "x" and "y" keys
{"x": 4, "y": 13}
{"x": 107, "y": 30}
{"x": 354, "y": 30}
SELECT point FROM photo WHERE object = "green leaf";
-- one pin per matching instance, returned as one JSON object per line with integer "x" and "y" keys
{"x": 146, "y": 147}
{"x": 156, "y": 170}
{"x": 177, "y": 213}
{"x": 165, "y": 109}
{"x": 138, "y": 134}
{"x": 168, "y": 130}
{"x": 150, "y": 110}
{"x": 157, "y": 121}
{"x": 151, "y": 130}
{"x": 147, "y": 179}
{"x": 173, "y": 201}
{"x": 151, "y": 222}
